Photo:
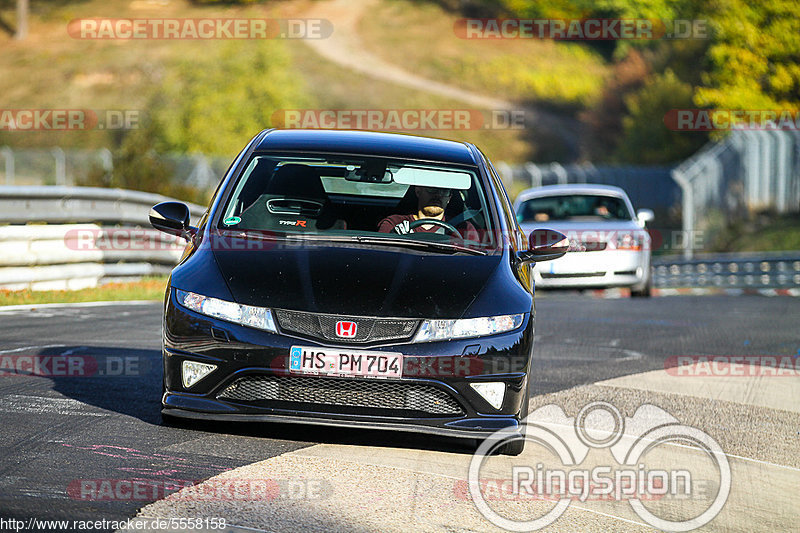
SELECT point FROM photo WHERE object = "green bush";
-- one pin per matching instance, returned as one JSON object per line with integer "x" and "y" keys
{"x": 215, "y": 103}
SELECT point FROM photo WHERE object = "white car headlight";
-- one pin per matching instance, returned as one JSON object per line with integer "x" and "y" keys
{"x": 434, "y": 330}
{"x": 246, "y": 315}
{"x": 630, "y": 241}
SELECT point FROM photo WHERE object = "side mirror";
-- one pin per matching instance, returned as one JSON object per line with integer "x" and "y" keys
{"x": 172, "y": 218}
{"x": 544, "y": 245}
{"x": 643, "y": 216}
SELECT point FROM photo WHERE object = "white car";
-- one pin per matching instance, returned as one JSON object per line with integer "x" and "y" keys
{"x": 609, "y": 246}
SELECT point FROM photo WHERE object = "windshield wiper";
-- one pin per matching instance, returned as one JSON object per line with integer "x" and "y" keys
{"x": 361, "y": 239}
{"x": 443, "y": 246}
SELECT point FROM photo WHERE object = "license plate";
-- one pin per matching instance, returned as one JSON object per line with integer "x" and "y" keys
{"x": 330, "y": 362}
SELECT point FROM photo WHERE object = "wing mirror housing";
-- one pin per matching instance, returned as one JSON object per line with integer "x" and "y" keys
{"x": 544, "y": 245}
{"x": 172, "y": 218}
{"x": 643, "y": 216}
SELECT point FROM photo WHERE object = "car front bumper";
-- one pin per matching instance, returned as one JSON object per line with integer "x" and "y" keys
{"x": 608, "y": 268}
{"x": 433, "y": 371}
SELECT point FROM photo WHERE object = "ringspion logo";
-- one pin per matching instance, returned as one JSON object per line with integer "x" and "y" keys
{"x": 636, "y": 474}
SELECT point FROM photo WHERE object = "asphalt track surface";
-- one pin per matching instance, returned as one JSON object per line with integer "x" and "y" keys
{"x": 57, "y": 431}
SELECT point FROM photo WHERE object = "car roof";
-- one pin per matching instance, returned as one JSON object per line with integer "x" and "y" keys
{"x": 368, "y": 143}
{"x": 571, "y": 188}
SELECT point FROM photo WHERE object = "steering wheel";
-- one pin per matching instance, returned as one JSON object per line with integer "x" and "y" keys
{"x": 436, "y": 222}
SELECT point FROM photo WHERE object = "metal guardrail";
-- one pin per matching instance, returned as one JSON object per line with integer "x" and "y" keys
{"x": 65, "y": 205}
{"x": 74, "y": 237}
{"x": 70, "y": 237}
{"x": 778, "y": 270}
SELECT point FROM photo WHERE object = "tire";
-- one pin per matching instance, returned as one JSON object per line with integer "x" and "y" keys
{"x": 516, "y": 446}
{"x": 168, "y": 420}
{"x": 644, "y": 292}
{"x": 171, "y": 421}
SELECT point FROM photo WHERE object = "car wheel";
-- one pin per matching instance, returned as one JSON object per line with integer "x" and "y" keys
{"x": 644, "y": 292}
{"x": 168, "y": 420}
{"x": 171, "y": 421}
{"x": 516, "y": 446}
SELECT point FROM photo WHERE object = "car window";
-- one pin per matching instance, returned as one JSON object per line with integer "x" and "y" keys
{"x": 506, "y": 203}
{"x": 573, "y": 207}
{"x": 350, "y": 195}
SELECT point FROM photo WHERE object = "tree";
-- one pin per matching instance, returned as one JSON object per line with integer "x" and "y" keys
{"x": 214, "y": 103}
{"x": 646, "y": 139}
{"x": 22, "y": 20}
{"x": 753, "y": 62}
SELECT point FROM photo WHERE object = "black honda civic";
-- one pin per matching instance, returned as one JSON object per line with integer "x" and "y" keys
{"x": 355, "y": 279}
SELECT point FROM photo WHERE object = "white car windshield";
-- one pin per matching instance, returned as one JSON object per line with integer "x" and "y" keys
{"x": 573, "y": 207}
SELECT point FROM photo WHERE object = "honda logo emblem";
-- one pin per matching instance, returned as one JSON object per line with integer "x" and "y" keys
{"x": 346, "y": 329}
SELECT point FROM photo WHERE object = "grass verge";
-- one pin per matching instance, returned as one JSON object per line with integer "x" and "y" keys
{"x": 151, "y": 288}
{"x": 420, "y": 37}
{"x": 766, "y": 233}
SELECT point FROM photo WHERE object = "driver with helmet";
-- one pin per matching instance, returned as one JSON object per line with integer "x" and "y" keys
{"x": 431, "y": 205}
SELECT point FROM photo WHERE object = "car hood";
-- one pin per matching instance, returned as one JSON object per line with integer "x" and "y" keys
{"x": 357, "y": 281}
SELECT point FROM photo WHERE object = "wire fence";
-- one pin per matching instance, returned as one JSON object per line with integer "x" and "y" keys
{"x": 724, "y": 182}
{"x": 747, "y": 171}
{"x": 55, "y": 166}
{"x": 647, "y": 186}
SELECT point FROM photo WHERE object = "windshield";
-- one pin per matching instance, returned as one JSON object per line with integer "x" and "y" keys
{"x": 362, "y": 198}
{"x": 573, "y": 207}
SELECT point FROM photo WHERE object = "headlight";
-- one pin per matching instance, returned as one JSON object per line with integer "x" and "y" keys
{"x": 246, "y": 315}
{"x": 435, "y": 330}
{"x": 629, "y": 241}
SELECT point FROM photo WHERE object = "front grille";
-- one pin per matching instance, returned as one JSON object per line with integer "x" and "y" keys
{"x": 343, "y": 392}
{"x": 322, "y": 326}
{"x": 586, "y": 246}
{"x": 549, "y": 275}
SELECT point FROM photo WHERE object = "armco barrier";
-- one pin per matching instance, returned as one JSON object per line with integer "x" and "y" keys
{"x": 762, "y": 270}
{"x": 65, "y": 205}
{"x": 72, "y": 237}
{"x": 75, "y": 237}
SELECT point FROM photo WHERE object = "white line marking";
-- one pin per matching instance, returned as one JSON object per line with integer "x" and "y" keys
{"x": 30, "y": 307}
{"x": 37, "y": 347}
{"x": 689, "y": 447}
